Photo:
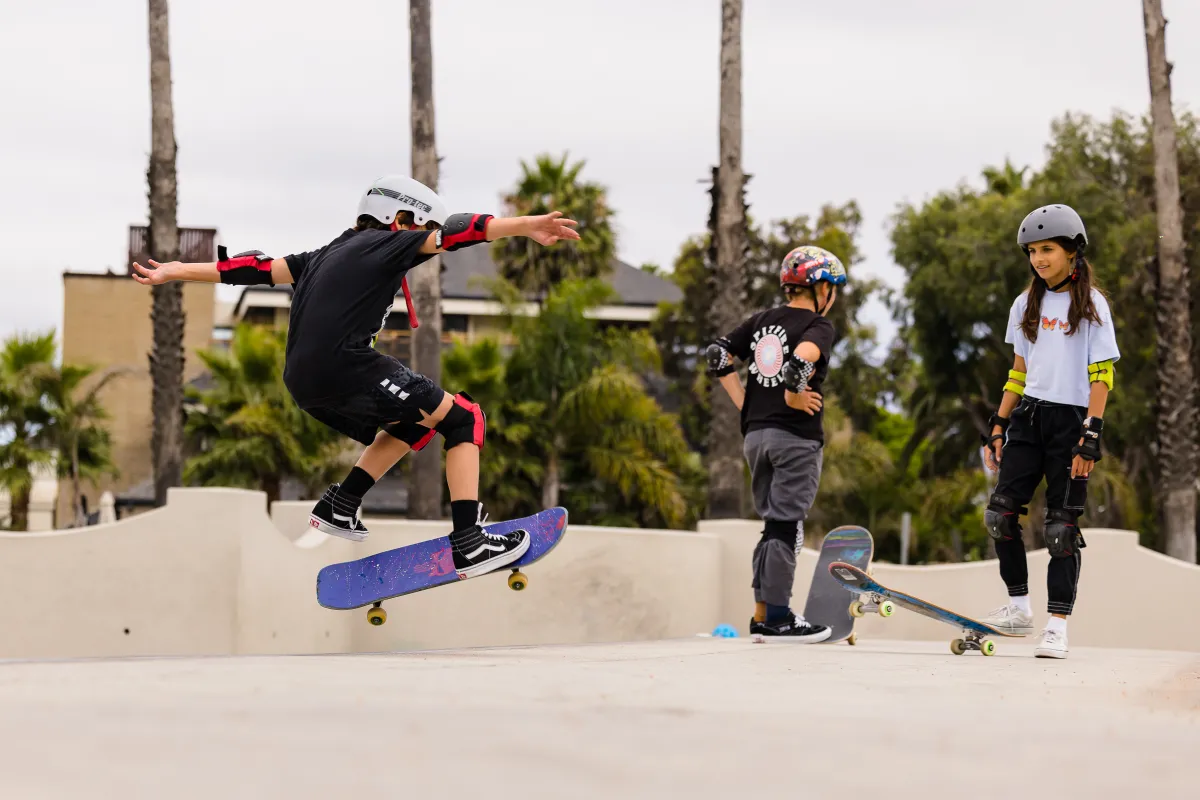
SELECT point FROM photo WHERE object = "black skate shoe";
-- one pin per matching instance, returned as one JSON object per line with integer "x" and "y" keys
{"x": 336, "y": 513}
{"x": 477, "y": 551}
{"x": 794, "y": 628}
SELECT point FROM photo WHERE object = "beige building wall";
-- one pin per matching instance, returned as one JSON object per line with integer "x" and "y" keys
{"x": 106, "y": 323}
{"x": 213, "y": 573}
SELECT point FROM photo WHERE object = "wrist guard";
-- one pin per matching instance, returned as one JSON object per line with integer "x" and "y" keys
{"x": 795, "y": 373}
{"x": 462, "y": 230}
{"x": 1090, "y": 449}
{"x": 251, "y": 268}
{"x": 988, "y": 437}
{"x": 720, "y": 363}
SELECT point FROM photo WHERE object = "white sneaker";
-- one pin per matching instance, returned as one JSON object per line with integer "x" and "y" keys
{"x": 1010, "y": 619}
{"x": 1053, "y": 645}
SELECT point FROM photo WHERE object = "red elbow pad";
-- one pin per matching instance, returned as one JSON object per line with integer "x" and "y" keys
{"x": 463, "y": 230}
{"x": 251, "y": 268}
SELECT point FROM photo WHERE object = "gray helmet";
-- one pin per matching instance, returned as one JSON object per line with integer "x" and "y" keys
{"x": 1050, "y": 222}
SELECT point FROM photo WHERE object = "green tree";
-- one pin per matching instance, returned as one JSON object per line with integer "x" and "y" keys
{"x": 76, "y": 428}
{"x": 551, "y": 184}
{"x": 569, "y": 418}
{"x": 26, "y": 364}
{"x": 246, "y": 430}
{"x": 964, "y": 270}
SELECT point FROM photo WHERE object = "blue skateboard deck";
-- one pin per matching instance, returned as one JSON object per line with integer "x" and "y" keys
{"x": 382, "y": 576}
{"x": 975, "y": 632}
{"x": 827, "y": 603}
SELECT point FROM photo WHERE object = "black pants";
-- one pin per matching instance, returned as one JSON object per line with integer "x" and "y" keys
{"x": 1038, "y": 444}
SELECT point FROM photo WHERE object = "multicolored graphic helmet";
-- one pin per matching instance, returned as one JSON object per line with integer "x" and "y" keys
{"x": 807, "y": 265}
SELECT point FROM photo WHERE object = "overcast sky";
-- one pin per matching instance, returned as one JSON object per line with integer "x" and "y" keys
{"x": 285, "y": 111}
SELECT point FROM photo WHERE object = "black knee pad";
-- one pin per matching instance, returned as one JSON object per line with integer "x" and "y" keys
{"x": 464, "y": 423}
{"x": 414, "y": 435}
{"x": 1002, "y": 518}
{"x": 1063, "y": 538}
{"x": 789, "y": 532}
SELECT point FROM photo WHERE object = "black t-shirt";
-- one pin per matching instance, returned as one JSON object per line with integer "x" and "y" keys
{"x": 766, "y": 340}
{"x": 341, "y": 298}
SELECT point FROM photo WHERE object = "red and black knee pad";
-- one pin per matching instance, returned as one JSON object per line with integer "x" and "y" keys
{"x": 464, "y": 423}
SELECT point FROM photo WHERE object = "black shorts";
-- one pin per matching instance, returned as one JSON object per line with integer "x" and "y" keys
{"x": 395, "y": 404}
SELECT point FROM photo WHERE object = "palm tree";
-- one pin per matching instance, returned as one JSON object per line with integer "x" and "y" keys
{"x": 246, "y": 431}
{"x": 725, "y": 469}
{"x": 166, "y": 357}
{"x": 551, "y": 184}
{"x": 510, "y": 471}
{"x": 425, "y": 495}
{"x": 1176, "y": 416}
{"x": 25, "y": 364}
{"x": 568, "y": 414}
{"x": 76, "y": 429}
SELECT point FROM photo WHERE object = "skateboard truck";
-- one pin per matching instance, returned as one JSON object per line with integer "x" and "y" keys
{"x": 973, "y": 641}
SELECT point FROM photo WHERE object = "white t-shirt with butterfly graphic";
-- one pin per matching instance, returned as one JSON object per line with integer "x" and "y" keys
{"x": 1056, "y": 364}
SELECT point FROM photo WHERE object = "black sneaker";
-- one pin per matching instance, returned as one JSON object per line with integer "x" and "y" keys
{"x": 476, "y": 550}
{"x": 794, "y": 628}
{"x": 336, "y": 513}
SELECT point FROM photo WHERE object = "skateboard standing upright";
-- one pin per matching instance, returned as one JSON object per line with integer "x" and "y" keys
{"x": 424, "y": 565}
{"x": 828, "y": 604}
{"x": 975, "y": 633}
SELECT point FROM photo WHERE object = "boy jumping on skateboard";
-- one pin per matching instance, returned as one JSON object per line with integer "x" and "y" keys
{"x": 343, "y": 293}
{"x": 781, "y": 423}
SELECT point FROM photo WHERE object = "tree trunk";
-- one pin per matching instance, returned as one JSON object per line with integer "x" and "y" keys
{"x": 272, "y": 485}
{"x": 19, "y": 512}
{"x": 1176, "y": 382}
{"x": 76, "y": 505}
{"x": 166, "y": 356}
{"x": 726, "y": 482}
{"x": 550, "y": 484}
{"x": 425, "y": 282}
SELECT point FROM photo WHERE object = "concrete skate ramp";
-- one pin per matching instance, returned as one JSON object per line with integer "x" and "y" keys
{"x": 698, "y": 718}
{"x": 213, "y": 574}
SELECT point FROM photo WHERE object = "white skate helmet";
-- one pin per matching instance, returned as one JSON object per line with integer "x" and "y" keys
{"x": 392, "y": 194}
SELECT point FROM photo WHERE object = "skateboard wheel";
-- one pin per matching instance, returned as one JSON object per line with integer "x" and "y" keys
{"x": 517, "y": 581}
{"x": 856, "y": 608}
{"x": 376, "y": 616}
{"x": 958, "y": 647}
{"x": 852, "y": 639}
{"x": 987, "y": 647}
{"x": 886, "y": 609}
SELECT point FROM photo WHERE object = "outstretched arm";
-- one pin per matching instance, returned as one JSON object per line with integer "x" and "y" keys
{"x": 464, "y": 230}
{"x": 215, "y": 271}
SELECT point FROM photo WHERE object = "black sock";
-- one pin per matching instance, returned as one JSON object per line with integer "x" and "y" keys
{"x": 464, "y": 513}
{"x": 358, "y": 482}
{"x": 776, "y": 613}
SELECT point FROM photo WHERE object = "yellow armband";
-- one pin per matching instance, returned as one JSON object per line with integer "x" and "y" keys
{"x": 1012, "y": 385}
{"x": 1102, "y": 371}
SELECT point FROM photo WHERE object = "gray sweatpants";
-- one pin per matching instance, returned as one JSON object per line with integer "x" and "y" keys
{"x": 785, "y": 471}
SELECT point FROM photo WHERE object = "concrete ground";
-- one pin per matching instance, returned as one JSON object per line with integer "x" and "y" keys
{"x": 686, "y": 718}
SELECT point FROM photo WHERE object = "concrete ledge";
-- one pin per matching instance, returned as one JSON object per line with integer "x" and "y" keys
{"x": 213, "y": 574}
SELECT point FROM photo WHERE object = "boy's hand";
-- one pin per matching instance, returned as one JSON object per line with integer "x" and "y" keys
{"x": 546, "y": 229}
{"x": 160, "y": 273}
{"x": 806, "y": 401}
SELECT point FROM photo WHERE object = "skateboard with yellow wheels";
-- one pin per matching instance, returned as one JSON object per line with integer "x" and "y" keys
{"x": 874, "y": 594}
{"x": 370, "y": 580}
